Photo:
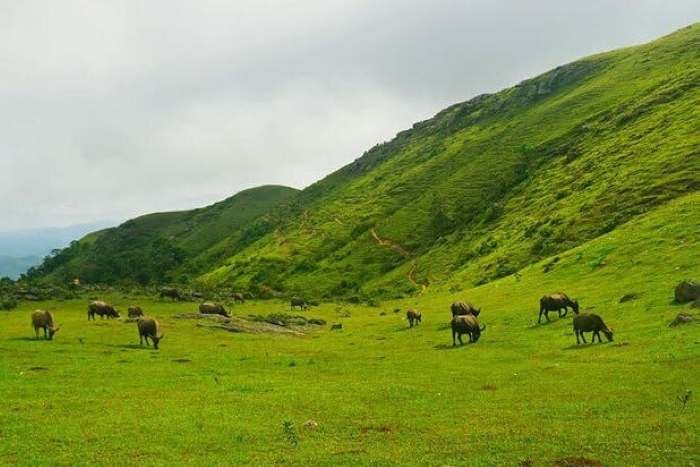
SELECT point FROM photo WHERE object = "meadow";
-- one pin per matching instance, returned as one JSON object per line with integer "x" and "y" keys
{"x": 377, "y": 392}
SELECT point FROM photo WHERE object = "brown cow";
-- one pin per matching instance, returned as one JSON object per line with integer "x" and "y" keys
{"x": 300, "y": 302}
{"x": 212, "y": 308}
{"x": 238, "y": 298}
{"x": 466, "y": 324}
{"x": 43, "y": 320}
{"x": 556, "y": 302}
{"x": 461, "y": 307}
{"x": 148, "y": 327}
{"x": 414, "y": 317}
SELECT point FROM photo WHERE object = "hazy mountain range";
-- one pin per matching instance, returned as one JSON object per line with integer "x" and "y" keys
{"x": 21, "y": 249}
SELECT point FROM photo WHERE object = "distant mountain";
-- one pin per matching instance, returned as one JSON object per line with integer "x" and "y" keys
{"x": 13, "y": 267}
{"x": 22, "y": 249}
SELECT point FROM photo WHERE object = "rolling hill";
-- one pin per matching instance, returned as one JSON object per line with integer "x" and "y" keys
{"x": 480, "y": 191}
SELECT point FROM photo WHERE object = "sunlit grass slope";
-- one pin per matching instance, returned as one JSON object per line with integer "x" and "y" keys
{"x": 492, "y": 185}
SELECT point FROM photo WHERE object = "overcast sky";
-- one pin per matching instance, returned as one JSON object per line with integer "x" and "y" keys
{"x": 114, "y": 109}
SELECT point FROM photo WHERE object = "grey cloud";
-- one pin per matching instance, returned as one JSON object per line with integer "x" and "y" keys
{"x": 113, "y": 109}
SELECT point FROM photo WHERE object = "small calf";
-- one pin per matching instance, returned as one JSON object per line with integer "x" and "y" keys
{"x": 414, "y": 317}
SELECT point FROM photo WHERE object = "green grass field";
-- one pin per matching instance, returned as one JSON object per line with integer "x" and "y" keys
{"x": 378, "y": 392}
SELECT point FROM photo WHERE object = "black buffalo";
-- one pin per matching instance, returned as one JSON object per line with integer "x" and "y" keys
{"x": 466, "y": 324}
{"x": 98, "y": 307}
{"x": 556, "y": 302}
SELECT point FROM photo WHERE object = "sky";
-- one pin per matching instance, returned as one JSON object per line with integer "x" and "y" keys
{"x": 111, "y": 109}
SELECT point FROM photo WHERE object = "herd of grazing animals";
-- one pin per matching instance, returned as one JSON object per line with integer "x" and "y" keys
{"x": 464, "y": 317}
{"x": 148, "y": 327}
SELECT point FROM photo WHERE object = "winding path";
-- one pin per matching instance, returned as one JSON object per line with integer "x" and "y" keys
{"x": 403, "y": 251}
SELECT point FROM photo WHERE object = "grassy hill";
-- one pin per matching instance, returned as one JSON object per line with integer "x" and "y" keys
{"x": 494, "y": 184}
{"x": 170, "y": 246}
{"x": 480, "y": 191}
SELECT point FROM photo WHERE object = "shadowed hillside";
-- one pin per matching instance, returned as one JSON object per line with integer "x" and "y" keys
{"x": 478, "y": 192}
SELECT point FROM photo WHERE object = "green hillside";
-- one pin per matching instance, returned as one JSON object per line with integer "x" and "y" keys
{"x": 489, "y": 186}
{"x": 478, "y": 192}
{"x": 171, "y": 246}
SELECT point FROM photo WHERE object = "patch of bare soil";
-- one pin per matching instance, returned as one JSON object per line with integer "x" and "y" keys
{"x": 255, "y": 324}
{"x": 577, "y": 462}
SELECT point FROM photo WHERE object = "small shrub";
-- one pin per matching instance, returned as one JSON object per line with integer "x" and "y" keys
{"x": 8, "y": 303}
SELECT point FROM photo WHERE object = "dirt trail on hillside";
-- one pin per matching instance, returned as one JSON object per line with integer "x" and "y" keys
{"x": 389, "y": 243}
{"x": 403, "y": 251}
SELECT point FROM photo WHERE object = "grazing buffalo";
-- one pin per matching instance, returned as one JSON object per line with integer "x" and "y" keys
{"x": 173, "y": 292}
{"x": 461, "y": 308}
{"x": 300, "y": 302}
{"x": 556, "y": 302}
{"x": 43, "y": 320}
{"x": 466, "y": 324}
{"x": 148, "y": 327}
{"x": 101, "y": 308}
{"x": 591, "y": 323}
{"x": 413, "y": 316}
{"x": 212, "y": 308}
{"x": 238, "y": 298}
{"x": 135, "y": 311}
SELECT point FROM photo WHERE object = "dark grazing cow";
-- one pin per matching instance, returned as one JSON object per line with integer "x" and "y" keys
{"x": 148, "y": 327}
{"x": 461, "y": 307}
{"x": 591, "y": 323}
{"x": 414, "y": 317}
{"x": 173, "y": 292}
{"x": 300, "y": 302}
{"x": 466, "y": 324}
{"x": 135, "y": 311}
{"x": 556, "y": 302}
{"x": 238, "y": 298}
{"x": 101, "y": 308}
{"x": 213, "y": 308}
{"x": 43, "y": 320}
